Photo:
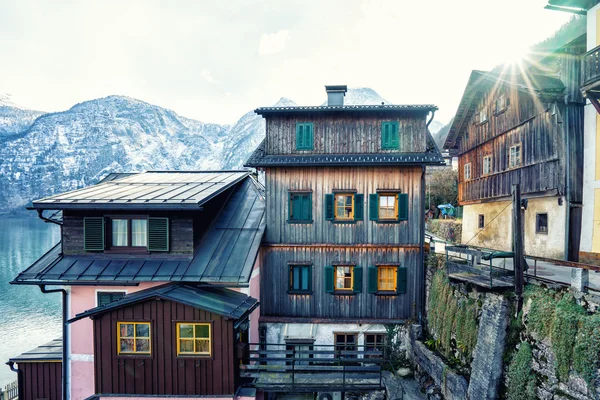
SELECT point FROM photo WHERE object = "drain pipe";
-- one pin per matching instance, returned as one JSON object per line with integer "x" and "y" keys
{"x": 41, "y": 215}
{"x": 65, "y": 331}
{"x": 421, "y": 270}
{"x": 431, "y": 119}
{"x": 11, "y": 365}
{"x": 567, "y": 130}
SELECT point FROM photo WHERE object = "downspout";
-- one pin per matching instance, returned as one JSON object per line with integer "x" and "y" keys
{"x": 567, "y": 178}
{"x": 11, "y": 365}
{"x": 430, "y": 119}
{"x": 65, "y": 332}
{"x": 48, "y": 220}
{"x": 421, "y": 270}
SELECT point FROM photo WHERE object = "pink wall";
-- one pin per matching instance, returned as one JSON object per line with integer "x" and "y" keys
{"x": 174, "y": 397}
{"x": 255, "y": 292}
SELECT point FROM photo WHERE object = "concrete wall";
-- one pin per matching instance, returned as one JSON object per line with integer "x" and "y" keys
{"x": 497, "y": 233}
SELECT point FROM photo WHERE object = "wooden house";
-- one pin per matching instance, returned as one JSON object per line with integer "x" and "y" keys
{"x": 343, "y": 249}
{"x": 165, "y": 263}
{"x": 524, "y": 125}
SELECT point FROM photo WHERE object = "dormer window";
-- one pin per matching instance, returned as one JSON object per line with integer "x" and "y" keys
{"x": 129, "y": 232}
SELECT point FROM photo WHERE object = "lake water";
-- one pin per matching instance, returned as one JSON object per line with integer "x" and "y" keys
{"x": 28, "y": 318}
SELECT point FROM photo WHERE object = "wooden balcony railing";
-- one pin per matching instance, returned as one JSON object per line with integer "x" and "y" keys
{"x": 591, "y": 67}
{"x": 277, "y": 367}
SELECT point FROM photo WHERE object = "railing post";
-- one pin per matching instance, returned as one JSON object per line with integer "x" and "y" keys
{"x": 534, "y": 267}
{"x": 293, "y": 366}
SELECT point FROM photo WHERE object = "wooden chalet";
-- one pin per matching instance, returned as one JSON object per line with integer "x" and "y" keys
{"x": 523, "y": 125}
{"x": 165, "y": 263}
{"x": 343, "y": 249}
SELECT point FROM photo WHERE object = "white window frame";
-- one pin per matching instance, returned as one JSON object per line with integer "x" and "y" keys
{"x": 500, "y": 104}
{"x": 513, "y": 160}
{"x": 105, "y": 291}
{"x": 483, "y": 116}
{"x": 487, "y": 162}
{"x": 467, "y": 167}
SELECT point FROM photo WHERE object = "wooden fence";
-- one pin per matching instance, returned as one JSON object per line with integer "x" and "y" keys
{"x": 10, "y": 391}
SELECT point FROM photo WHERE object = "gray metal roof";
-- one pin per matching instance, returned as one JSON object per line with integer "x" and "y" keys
{"x": 346, "y": 108}
{"x": 222, "y": 301}
{"x": 225, "y": 255}
{"x": 147, "y": 190}
{"x": 49, "y": 352}
{"x": 259, "y": 158}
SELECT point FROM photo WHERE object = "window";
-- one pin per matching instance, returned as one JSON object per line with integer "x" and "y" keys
{"x": 105, "y": 298}
{"x": 388, "y": 206}
{"x": 129, "y": 232}
{"x": 541, "y": 223}
{"x": 481, "y": 221}
{"x": 304, "y": 136}
{"x": 344, "y": 206}
{"x": 386, "y": 278}
{"x": 375, "y": 342}
{"x": 345, "y": 342}
{"x": 133, "y": 337}
{"x": 514, "y": 156}
{"x": 300, "y": 279}
{"x": 389, "y": 135}
{"x": 467, "y": 171}
{"x": 483, "y": 117}
{"x": 501, "y": 104}
{"x": 344, "y": 278}
{"x": 487, "y": 165}
{"x": 301, "y": 351}
{"x": 300, "y": 207}
{"x": 193, "y": 339}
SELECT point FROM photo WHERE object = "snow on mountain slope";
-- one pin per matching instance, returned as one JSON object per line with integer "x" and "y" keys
{"x": 67, "y": 150}
{"x": 14, "y": 118}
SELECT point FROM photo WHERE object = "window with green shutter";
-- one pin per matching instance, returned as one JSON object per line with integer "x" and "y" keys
{"x": 390, "y": 138}
{"x": 344, "y": 207}
{"x": 343, "y": 279}
{"x": 105, "y": 298}
{"x": 93, "y": 233}
{"x": 158, "y": 234}
{"x": 300, "y": 279}
{"x": 386, "y": 279}
{"x": 388, "y": 206}
{"x": 300, "y": 207}
{"x": 304, "y": 136}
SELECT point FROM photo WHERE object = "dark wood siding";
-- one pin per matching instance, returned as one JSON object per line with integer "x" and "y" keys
{"x": 345, "y": 133}
{"x": 164, "y": 373}
{"x": 276, "y": 302}
{"x": 180, "y": 231}
{"x": 41, "y": 380}
{"x": 322, "y": 181}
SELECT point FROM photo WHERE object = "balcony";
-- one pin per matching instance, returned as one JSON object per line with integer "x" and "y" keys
{"x": 591, "y": 73}
{"x": 277, "y": 367}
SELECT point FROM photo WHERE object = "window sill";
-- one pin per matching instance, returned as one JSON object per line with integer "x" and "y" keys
{"x": 295, "y": 292}
{"x": 386, "y": 293}
{"x": 542, "y": 233}
{"x": 194, "y": 356}
{"x": 344, "y": 293}
{"x": 299, "y": 222}
{"x": 343, "y": 222}
{"x": 389, "y": 221}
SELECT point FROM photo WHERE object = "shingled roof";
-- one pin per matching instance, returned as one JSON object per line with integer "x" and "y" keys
{"x": 346, "y": 108}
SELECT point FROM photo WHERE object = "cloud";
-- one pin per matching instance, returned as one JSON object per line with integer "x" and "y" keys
{"x": 272, "y": 43}
{"x": 207, "y": 75}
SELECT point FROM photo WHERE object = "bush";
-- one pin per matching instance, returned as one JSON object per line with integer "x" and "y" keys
{"x": 521, "y": 380}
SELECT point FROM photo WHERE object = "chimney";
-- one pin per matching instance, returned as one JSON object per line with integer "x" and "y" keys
{"x": 335, "y": 94}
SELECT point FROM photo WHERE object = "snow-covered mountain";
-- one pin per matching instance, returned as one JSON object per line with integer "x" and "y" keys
{"x": 43, "y": 154}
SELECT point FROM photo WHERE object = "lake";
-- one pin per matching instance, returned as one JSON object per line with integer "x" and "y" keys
{"x": 28, "y": 318}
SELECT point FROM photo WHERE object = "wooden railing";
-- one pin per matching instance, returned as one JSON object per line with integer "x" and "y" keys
{"x": 591, "y": 66}
{"x": 10, "y": 392}
{"x": 323, "y": 367}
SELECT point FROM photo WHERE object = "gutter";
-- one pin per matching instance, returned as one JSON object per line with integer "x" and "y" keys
{"x": 431, "y": 119}
{"x": 11, "y": 365}
{"x": 65, "y": 333}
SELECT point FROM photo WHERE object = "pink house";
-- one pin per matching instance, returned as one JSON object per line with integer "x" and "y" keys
{"x": 159, "y": 275}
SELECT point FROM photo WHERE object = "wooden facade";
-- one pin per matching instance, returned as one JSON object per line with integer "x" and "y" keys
{"x": 346, "y": 133}
{"x": 41, "y": 380}
{"x": 163, "y": 372}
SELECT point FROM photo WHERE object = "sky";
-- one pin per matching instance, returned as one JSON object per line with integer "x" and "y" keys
{"x": 216, "y": 60}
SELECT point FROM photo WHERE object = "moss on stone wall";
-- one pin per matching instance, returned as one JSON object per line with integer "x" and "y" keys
{"x": 452, "y": 320}
{"x": 521, "y": 378}
{"x": 448, "y": 229}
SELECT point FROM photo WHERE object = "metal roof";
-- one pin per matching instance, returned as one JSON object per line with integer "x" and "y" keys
{"x": 222, "y": 301}
{"x": 480, "y": 81}
{"x": 49, "y": 352}
{"x": 346, "y": 108}
{"x": 146, "y": 190}
{"x": 432, "y": 156}
{"x": 225, "y": 255}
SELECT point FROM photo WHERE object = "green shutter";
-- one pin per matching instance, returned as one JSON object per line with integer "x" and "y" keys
{"x": 394, "y": 137}
{"x": 401, "y": 276}
{"x": 299, "y": 136}
{"x": 402, "y": 206}
{"x": 374, "y": 207}
{"x": 308, "y": 132}
{"x": 290, "y": 202}
{"x": 103, "y": 299}
{"x": 93, "y": 233}
{"x": 359, "y": 207}
{"x": 373, "y": 277}
{"x": 357, "y": 279}
{"x": 307, "y": 207}
{"x": 328, "y": 271}
{"x": 158, "y": 234}
{"x": 385, "y": 135}
{"x": 309, "y": 278}
{"x": 329, "y": 204}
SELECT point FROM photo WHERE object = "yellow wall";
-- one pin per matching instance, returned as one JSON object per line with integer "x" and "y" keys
{"x": 596, "y": 225}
